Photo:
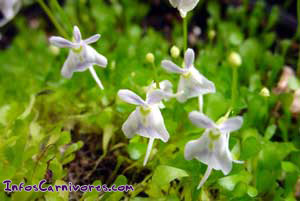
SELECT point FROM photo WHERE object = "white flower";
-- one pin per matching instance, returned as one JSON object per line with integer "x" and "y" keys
{"x": 212, "y": 148}
{"x": 165, "y": 87}
{"x": 9, "y": 9}
{"x": 184, "y": 6}
{"x": 146, "y": 120}
{"x": 191, "y": 83}
{"x": 81, "y": 56}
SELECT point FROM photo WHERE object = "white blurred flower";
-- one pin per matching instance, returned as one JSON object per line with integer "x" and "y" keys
{"x": 184, "y": 6}
{"x": 192, "y": 83}
{"x": 212, "y": 148}
{"x": 9, "y": 9}
{"x": 165, "y": 87}
{"x": 81, "y": 56}
{"x": 146, "y": 120}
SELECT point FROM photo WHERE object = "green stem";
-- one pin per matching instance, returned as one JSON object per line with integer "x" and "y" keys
{"x": 298, "y": 34}
{"x": 65, "y": 18}
{"x": 155, "y": 75}
{"x": 234, "y": 90}
{"x": 52, "y": 18}
{"x": 185, "y": 33}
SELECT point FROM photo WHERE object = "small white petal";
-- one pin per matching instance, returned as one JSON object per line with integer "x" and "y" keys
{"x": 200, "y": 120}
{"x": 77, "y": 34}
{"x": 9, "y": 9}
{"x": 222, "y": 155}
{"x": 194, "y": 85}
{"x": 130, "y": 97}
{"x": 155, "y": 97}
{"x": 189, "y": 58}
{"x": 187, "y": 5}
{"x": 171, "y": 67}
{"x": 60, "y": 42}
{"x": 131, "y": 125}
{"x": 155, "y": 125}
{"x": 166, "y": 86}
{"x": 198, "y": 149}
{"x": 92, "y": 39}
{"x": 175, "y": 3}
{"x": 89, "y": 56}
{"x": 66, "y": 71}
{"x": 232, "y": 124}
{"x": 69, "y": 66}
{"x": 150, "y": 125}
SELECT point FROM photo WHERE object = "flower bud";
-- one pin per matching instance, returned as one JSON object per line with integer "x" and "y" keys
{"x": 235, "y": 59}
{"x": 264, "y": 92}
{"x": 211, "y": 34}
{"x": 175, "y": 52}
{"x": 150, "y": 58}
{"x": 54, "y": 50}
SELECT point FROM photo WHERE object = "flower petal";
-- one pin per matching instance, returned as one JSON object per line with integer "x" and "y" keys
{"x": 92, "y": 39}
{"x": 198, "y": 149}
{"x": 187, "y": 5}
{"x": 189, "y": 58}
{"x": 69, "y": 66}
{"x": 131, "y": 125}
{"x": 77, "y": 34}
{"x": 171, "y": 67}
{"x": 130, "y": 97}
{"x": 166, "y": 86}
{"x": 232, "y": 124}
{"x": 154, "y": 125}
{"x": 222, "y": 157}
{"x": 93, "y": 57}
{"x": 194, "y": 85}
{"x": 174, "y": 3}
{"x": 61, "y": 42}
{"x": 155, "y": 97}
{"x": 200, "y": 120}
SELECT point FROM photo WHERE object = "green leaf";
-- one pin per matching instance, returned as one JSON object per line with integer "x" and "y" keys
{"x": 289, "y": 166}
{"x": 252, "y": 191}
{"x": 270, "y": 131}
{"x": 163, "y": 175}
{"x": 136, "y": 150}
{"x": 230, "y": 182}
{"x": 107, "y": 134}
{"x": 250, "y": 147}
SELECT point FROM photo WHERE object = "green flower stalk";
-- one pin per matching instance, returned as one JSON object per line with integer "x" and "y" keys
{"x": 298, "y": 15}
{"x": 53, "y": 19}
{"x": 185, "y": 34}
{"x": 150, "y": 58}
{"x": 235, "y": 61}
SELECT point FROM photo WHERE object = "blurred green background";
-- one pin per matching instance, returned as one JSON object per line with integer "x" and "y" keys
{"x": 70, "y": 131}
